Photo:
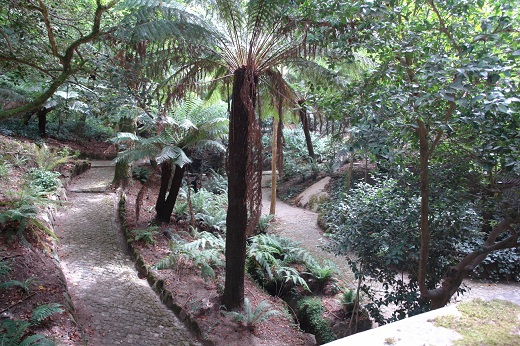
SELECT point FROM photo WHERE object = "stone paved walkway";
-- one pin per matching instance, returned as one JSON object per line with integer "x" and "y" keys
{"x": 102, "y": 281}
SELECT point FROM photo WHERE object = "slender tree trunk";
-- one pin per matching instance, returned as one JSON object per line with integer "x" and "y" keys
{"x": 42, "y": 120}
{"x": 123, "y": 169}
{"x": 166, "y": 176}
{"x": 279, "y": 148}
{"x": 306, "y": 128}
{"x": 274, "y": 151}
{"x": 165, "y": 209}
{"x": 424, "y": 225}
{"x": 242, "y": 112}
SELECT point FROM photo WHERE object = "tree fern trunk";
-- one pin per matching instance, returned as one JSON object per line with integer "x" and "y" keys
{"x": 166, "y": 175}
{"x": 306, "y": 129}
{"x": 242, "y": 111}
{"x": 279, "y": 148}
{"x": 164, "y": 213}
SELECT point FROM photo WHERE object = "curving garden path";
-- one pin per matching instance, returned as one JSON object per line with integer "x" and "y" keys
{"x": 119, "y": 307}
{"x": 301, "y": 225}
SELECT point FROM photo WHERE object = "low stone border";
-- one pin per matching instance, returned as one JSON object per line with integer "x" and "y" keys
{"x": 49, "y": 217}
{"x": 158, "y": 284}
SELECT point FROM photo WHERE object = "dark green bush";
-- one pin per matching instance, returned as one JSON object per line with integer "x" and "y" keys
{"x": 310, "y": 312}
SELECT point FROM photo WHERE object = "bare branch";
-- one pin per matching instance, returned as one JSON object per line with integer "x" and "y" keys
{"x": 50, "y": 33}
{"x": 443, "y": 29}
{"x": 7, "y": 40}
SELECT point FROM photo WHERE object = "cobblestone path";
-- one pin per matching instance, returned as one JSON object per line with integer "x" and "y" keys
{"x": 105, "y": 289}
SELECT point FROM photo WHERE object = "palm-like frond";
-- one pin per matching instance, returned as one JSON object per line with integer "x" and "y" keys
{"x": 173, "y": 153}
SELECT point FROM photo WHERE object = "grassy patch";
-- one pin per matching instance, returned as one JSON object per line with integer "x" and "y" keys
{"x": 491, "y": 323}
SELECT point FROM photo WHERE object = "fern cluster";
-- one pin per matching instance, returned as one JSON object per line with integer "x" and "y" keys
{"x": 209, "y": 209}
{"x": 14, "y": 332}
{"x": 270, "y": 259}
{"x": 146, "y": 235}
{"x": 206, "y": 252}
{"x": 273, "y": 262}
{"x": 21, "y": 211}
{"x": 250, "y": 318}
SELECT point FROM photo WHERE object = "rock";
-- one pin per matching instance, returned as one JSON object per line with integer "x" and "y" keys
{"x": 314, "y": 195}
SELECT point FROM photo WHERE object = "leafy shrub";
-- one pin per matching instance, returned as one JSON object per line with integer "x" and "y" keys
{"x": 500, "y": 265}
{"x": 206, "y": 252}
{"x": 376, "y": 226}
{"x": 251, "y": 318}
{"x": 146, "y": 235}
{"x": 46, "y": 181}
{"x": 297, "y": 161}
{"x": 310, "y": 312}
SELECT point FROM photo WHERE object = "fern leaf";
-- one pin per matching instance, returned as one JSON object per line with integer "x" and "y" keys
{"x": 206, "y": 271}
{"x": 169, "y": 262}
{"x": 44, "y": 311}
{"x": 37, "y": 340}
{"x": 12, "y": 331}
{"x": 24, "y": 285}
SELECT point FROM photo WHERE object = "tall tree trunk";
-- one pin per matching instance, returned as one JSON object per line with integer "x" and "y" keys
{"x": 123, "y": 169}
{"x": 164, "y": 207}
{"x": 274, "y": 152}
{"x": 306, "y": 128}
{"x": 242, "y": 113}
{"x": 424, "y": 225}
{"x": 279, "y": 148}
{"x": 42, "y": 120}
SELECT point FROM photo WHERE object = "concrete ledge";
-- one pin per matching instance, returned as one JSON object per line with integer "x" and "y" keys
{"x": 413, "y": 331}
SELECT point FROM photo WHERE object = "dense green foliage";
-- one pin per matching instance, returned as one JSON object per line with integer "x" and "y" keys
{"x": 310, "y": 312}
{"x": 426, "y": 90}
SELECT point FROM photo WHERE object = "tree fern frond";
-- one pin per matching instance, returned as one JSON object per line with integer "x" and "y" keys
{"x": 124, "y": 137}
{"x": 175, "y": 154}
{"x": 45, "y": 311}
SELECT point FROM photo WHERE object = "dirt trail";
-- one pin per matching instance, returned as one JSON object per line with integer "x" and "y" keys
{"x": 301, "y": 225}
{"x": 120, "y": 308}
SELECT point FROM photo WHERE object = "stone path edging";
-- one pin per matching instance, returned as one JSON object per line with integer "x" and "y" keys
{"x": 121, "y": 308}
{"x": 157, "y": 284}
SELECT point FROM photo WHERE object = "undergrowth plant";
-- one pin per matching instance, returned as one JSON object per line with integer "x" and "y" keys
{"x": 250, "y": 318}
{"x": 25, "y": 285}
{"x": 14, "y": 332}
{"x": 273, "y": 261}
{"x": 20, "y": 211}
{"x": 205, "y": 252}
{"x": 146, "y": 235}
